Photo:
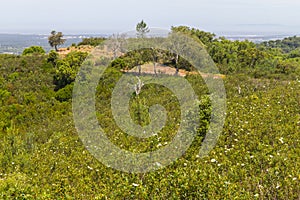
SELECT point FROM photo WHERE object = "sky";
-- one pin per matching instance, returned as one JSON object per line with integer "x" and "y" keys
{"x": 112, "y": 16}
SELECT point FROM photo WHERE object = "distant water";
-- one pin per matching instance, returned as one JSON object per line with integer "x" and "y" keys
{"x": 16, "y": 43}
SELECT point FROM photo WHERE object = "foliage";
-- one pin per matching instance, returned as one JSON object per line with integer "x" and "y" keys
{"x": 93, "y": 41}
{"x": 33, "y": 50}
{"x": 142, "y": 29}
{"x": 256, "y": 157}
{"x": 205, "y": 37}
{"x": 143, "y": 56}
{"x": 275, "y": 59}
{"x": 64, "y": 94}
{"x": 53, "y": 57}
{"x": 67, "y": 68}
{"x": 287, "y": 44}
{"x": 56, "y": 39}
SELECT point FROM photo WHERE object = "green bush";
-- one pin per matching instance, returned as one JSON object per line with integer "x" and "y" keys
{"x": 33, "y": 50}
{"x": 64, "y": 94}
{"x": 67, "y": 68}
{"x": 93, "y": 41}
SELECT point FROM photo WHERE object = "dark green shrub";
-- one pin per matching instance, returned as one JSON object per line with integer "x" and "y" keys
{"x": 64, "y": 94}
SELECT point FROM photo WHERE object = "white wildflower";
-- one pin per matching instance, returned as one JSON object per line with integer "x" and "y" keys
{"x": 281, "y": 140}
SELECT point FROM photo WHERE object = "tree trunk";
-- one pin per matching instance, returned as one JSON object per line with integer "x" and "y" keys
{"x": 56, "y": 49}
{"x": 176, "y": 64}
{"x": 140, "y": 69}
{"x": 154, "y": 65}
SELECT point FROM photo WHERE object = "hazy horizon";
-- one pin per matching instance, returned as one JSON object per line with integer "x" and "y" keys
{"x": 106, "y": 17}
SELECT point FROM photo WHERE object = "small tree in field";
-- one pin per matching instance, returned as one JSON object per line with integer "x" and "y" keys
{"x": 142, "y": 29}
{"x": 56, "y": 39}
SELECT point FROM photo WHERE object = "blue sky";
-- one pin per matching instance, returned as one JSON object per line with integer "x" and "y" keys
{"x": 98, "y": 16}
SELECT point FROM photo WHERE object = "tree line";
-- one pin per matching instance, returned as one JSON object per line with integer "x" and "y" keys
{"x": 272, "y": 59}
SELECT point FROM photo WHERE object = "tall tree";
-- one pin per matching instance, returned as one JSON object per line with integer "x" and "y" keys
{"x": 142, "y": 29}
{"x": 56, "y": 39}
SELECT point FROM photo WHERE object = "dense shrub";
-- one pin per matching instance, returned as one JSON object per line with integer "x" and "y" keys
{"x": 33, "y": 50}
{"x": 65, "y": 93}
{"x": 67, "y": 68}
{"x": 93, "y": 41}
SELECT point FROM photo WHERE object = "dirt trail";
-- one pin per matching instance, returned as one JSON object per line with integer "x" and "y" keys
{"x": 161, "y": 69}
